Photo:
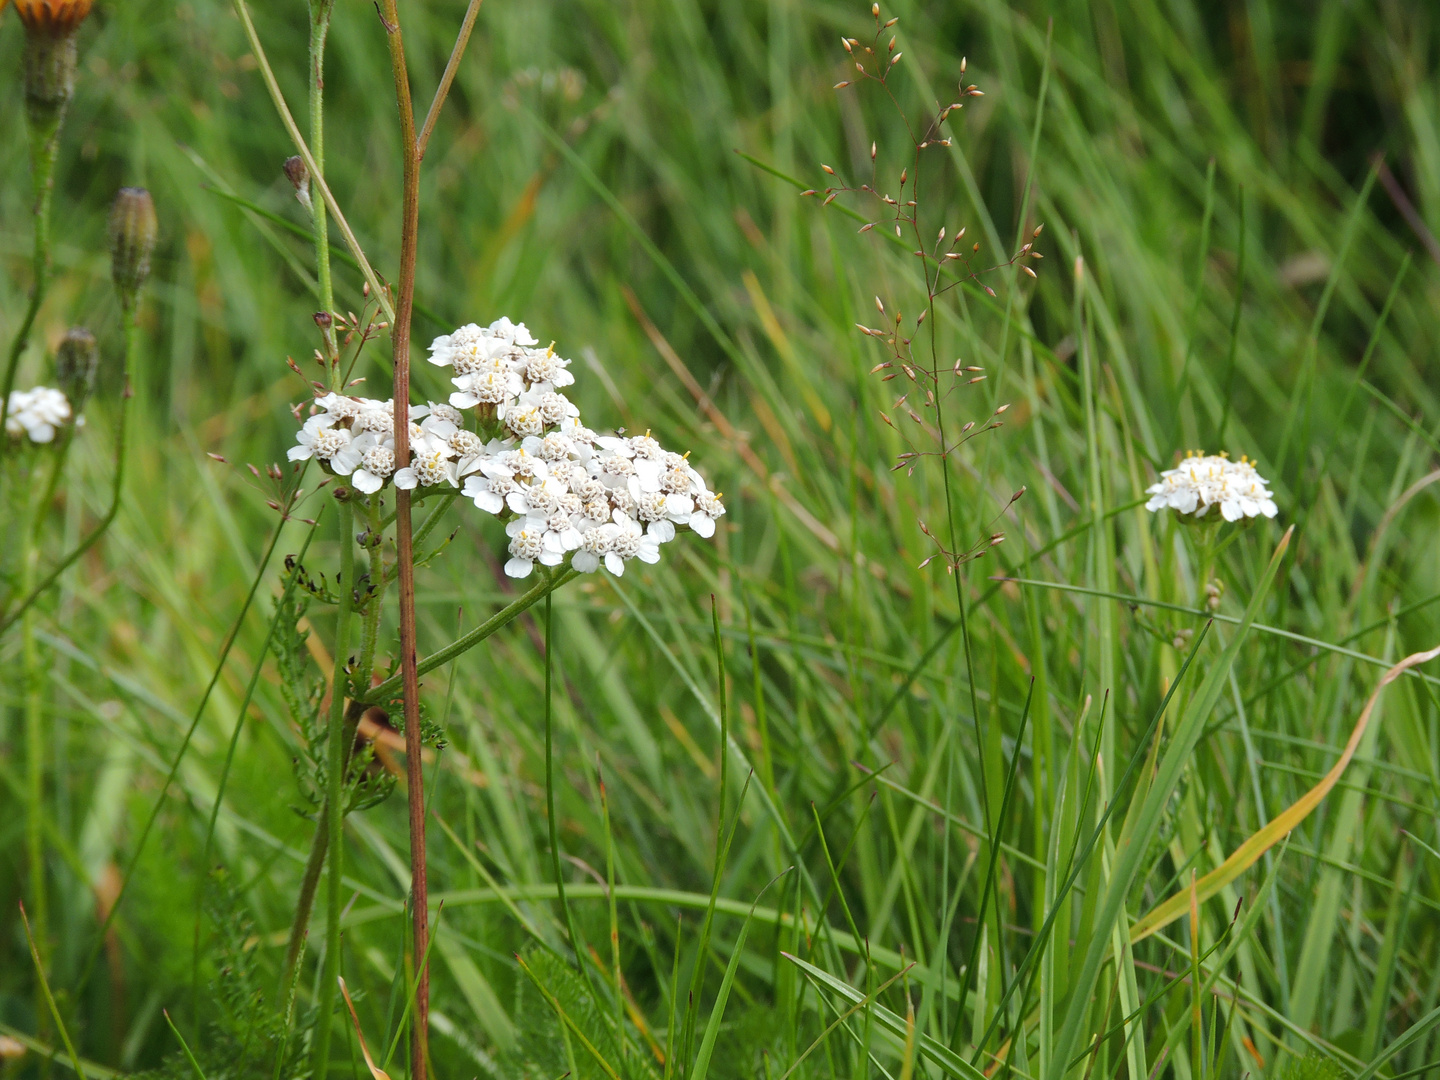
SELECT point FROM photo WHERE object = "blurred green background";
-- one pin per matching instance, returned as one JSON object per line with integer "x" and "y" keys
{"x": 587, "y": 176}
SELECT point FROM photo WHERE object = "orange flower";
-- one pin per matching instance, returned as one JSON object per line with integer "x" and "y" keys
{"x": 52, "y": 16}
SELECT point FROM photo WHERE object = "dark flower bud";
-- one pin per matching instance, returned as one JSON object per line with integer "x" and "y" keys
{"x": 299, "y": 177}
{"x": 132, "y": 240}
{"x": 75, "y": 364}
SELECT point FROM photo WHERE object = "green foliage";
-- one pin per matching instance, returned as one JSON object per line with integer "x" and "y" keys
{"x": 243, "y": 1032}
{"x": 1312, "y": 1066}
{"x": 583, "y": 177}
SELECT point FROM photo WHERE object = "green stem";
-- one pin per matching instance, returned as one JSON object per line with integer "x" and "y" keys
{"x": 34, "y": 681}
{"x": 132, "y": 338}
{"x": 370, "y": 626}
{"x": 335, "y": 791}
{"x": 44, "y": 141}
{"x": 300, "y": 928}
{"x": 502, "y": 618}
{"x": 319, "y": 30}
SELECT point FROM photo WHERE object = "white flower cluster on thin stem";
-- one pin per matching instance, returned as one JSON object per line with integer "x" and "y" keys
{"x": 1205, "y": 480}
{"x": 37, "y": 414}
{"x": 355, "y": 437}
{"x": 564, "y": 491}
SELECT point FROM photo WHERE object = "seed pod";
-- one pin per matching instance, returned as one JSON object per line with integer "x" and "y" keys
{"x": 299, "y": 177}
{"x": 132, "y": 240}
{"x": 75, "y": 364}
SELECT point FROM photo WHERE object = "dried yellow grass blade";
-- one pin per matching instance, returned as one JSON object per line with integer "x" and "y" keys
{"x": 375, "y": 1070}
{"x": 1249, "y": 852}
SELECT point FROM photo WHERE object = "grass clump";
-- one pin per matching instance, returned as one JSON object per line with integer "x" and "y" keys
{"x": 954, "y": 775}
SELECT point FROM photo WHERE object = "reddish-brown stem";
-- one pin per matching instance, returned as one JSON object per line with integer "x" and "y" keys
{"x": 404, "y": 540}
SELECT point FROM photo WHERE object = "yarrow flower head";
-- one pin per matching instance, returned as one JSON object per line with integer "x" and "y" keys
{"x": 501, "y": 371}
{"x": 38, "y": 414}
{"x": 1205, "y": 480}
{"x": 355, "y": 437}
{"x": 517, "y": 448}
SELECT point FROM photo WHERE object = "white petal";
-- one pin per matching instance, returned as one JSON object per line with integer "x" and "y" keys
{"x": 614, "y": 564}
{"x": 406, "y": 478}
{"x": 664, "y": 530}
{"x": 552, "y": 558}
{"x": 367, "y": 482}
{"x": 346, "y": 461}
{"x": 300, "y": 453}
{"x": 518, "y": 568}
{"x": 702, "y": 524}
{"x": 516, "y": 502}
{"x": 587, "y": 562}
{"x": 462, "y": 400}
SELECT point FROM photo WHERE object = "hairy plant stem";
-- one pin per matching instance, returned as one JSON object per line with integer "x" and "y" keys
{"x": 305, "y": 903}
{"x": 370, "y": 624}
{"x": 34, "y": 683}
{"x": 319, "y": 30}
{"x": 44, "y": 142}
{"x": 314, "y": 864}
{"x": 332, "y": 817}
{"x": 404, "y": 542}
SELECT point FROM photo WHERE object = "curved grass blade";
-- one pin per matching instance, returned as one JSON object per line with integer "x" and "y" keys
{"x": 1134, "y": 846}
{"x": 1246, "y": 855}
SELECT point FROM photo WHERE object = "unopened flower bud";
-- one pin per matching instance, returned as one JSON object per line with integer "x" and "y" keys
{"x": 299, "y": 176}
{"x": 132, "y": 240}
{"x": 75, "y": 364}
{"x": 50, "y": 27}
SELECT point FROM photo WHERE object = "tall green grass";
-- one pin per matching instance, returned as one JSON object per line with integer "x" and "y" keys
{"x": 822, "y": 912}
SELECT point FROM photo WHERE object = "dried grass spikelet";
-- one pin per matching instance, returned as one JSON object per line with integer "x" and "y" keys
{"x": 52, "y": 16}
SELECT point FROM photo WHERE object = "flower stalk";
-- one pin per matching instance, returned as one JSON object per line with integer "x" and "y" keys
{"x": 331, "y": 821}
{"x": 404, "y": 541}
{"x": 132, "y": 241}
{"x": 320, "y": 11}
{"x": 49, "y": 60}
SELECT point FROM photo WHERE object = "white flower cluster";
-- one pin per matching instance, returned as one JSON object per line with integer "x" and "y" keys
{"x": 355, "y": 437}
{"x": 37, "y": 414}
{"x": 566, "y": 492}
{"x": 1205, "y": 480}
{"x": 596, "y": 499}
